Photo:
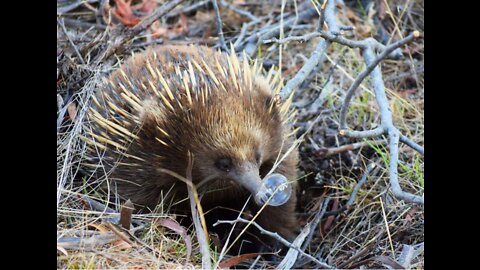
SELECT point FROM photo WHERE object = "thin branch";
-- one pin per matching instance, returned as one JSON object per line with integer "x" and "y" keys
{"x": 326, "y": 152}
{"x": 393, "y": 136}
{"x": 316, "y": 56}
{"x": 412, "y": 144}
{"x": 273, "y": 235}
{"x": 316, "y": 220}
{"x": 303, "y": 38}
{"x": 363, "y": 134}
{"x": 159, "y": 12}
{"x": 62, "y": 24}
{"x": 200, "y": 226}
{"x": 392, "y": 131}
{"x": 239, "y": 11}
{"x": 360, "y": 183}
{"x": 367, "y": 71}
{"x": 74, "y": 5}
{"x": 218, "y": 20}
{"x": 122, "y": 36}
{"x": 188, "y": 9}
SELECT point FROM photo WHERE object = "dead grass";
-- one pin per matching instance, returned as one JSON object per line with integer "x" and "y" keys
{"x": 376, "y": 225}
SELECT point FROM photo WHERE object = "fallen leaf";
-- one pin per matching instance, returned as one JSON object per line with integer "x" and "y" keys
{"x": 176, "y": 227}
{"x": 99, "y": 227}
{"x": 123, "y": 12}
{"x": 61, "y": 249}
{"x": 122, "y": 244}
{"x": 240, "y": 258}
{"x": 72, "y": 111}
{"x": 176, "y": 30}
{"x": 328, "y": 223}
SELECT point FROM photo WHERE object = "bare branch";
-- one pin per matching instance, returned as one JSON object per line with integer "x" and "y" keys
{"x": 316, "y": 220}
{"x": 393, "y": 136}
{"x": 316, "y": 56}
{"x": 326, "y": 152}
{"x": 273, "y": 235}
{"x": 218, "y": 20}
{"x": 360, "y": 183}
{"x": 74, "y": 5}
{"x": 62, "y": 24}
{"x": 159, "y": 12}
{"x": 363, "y": 134}
{"x": 367, "y": 71}
{"x": 412, "y": 144}
{"x": 200, "y": 226}
{"x": 303, "y": 38}
{"x": 238, "y": 11}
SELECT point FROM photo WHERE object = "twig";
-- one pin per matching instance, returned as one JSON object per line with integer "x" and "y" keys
{"x": 316, "y": 220}
{"x": 159, "y": 12}
{"x": 326, "y": 152}
{"x": 85, "y": 243}
{"x": 120, "y": 36}
{"x": 70, "y": 22}
{"x": 321, "y": 20}
{"x": 291, "y": 257}
{"x": 187, "y": 9}
{"x": 200, "y": 227}
{"x": 367, "y": 71}
{"x": 371, "y": 170}
{"x": 238, "y": 11}
{"x": 412, "y": 144}
{"x": 71, "y": 42}
{"x": 273, "y": 235}
{"x": 94, "y": 205}
{"x": 303, "y": 38}
{"x": 74, "y": 5}
{"x": 387, "y": 228}
{"x": 269, "y": 32}
{"x": 314, "y": 59}
{"x": 218, "y": 20}
{"x": 360, "y": 183}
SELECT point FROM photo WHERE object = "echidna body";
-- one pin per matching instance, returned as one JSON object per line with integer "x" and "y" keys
{"x": 169, "y": 101}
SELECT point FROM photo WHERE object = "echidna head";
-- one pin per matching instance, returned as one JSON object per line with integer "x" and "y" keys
{"x": 238, "y": 145}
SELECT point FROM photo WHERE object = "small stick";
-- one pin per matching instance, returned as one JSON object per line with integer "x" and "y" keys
{"x": 273, "y": 235}
{"x": 367, "y": 71}
{"x": 238, "y": 11}
{"x": 218, "y": 20}
{"x": 71, "y": 42}
{"x": 326, "y": 152}
{"x": 200, "y": 226}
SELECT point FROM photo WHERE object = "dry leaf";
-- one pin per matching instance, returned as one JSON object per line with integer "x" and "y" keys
{"x": 72, "y": 111}
{"x": 99, "y": 227}
{"x": 240, "y": 258}
{"x": 124, "y": 13}
{"x": 61, "y": 249}
{"x": 122, "y": 244}
{"x": 174, "y": 226}
{"x": 180, "y": 28}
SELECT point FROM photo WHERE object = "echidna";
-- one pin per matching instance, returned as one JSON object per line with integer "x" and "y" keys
{"x": 171, "y": 100}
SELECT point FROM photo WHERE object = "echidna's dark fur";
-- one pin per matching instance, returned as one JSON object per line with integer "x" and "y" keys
{"x": 171, "y": 100}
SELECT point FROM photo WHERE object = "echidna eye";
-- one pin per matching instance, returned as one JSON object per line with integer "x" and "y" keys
{"x": 224, "y": 164}
{"x": 258, "y": 157}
